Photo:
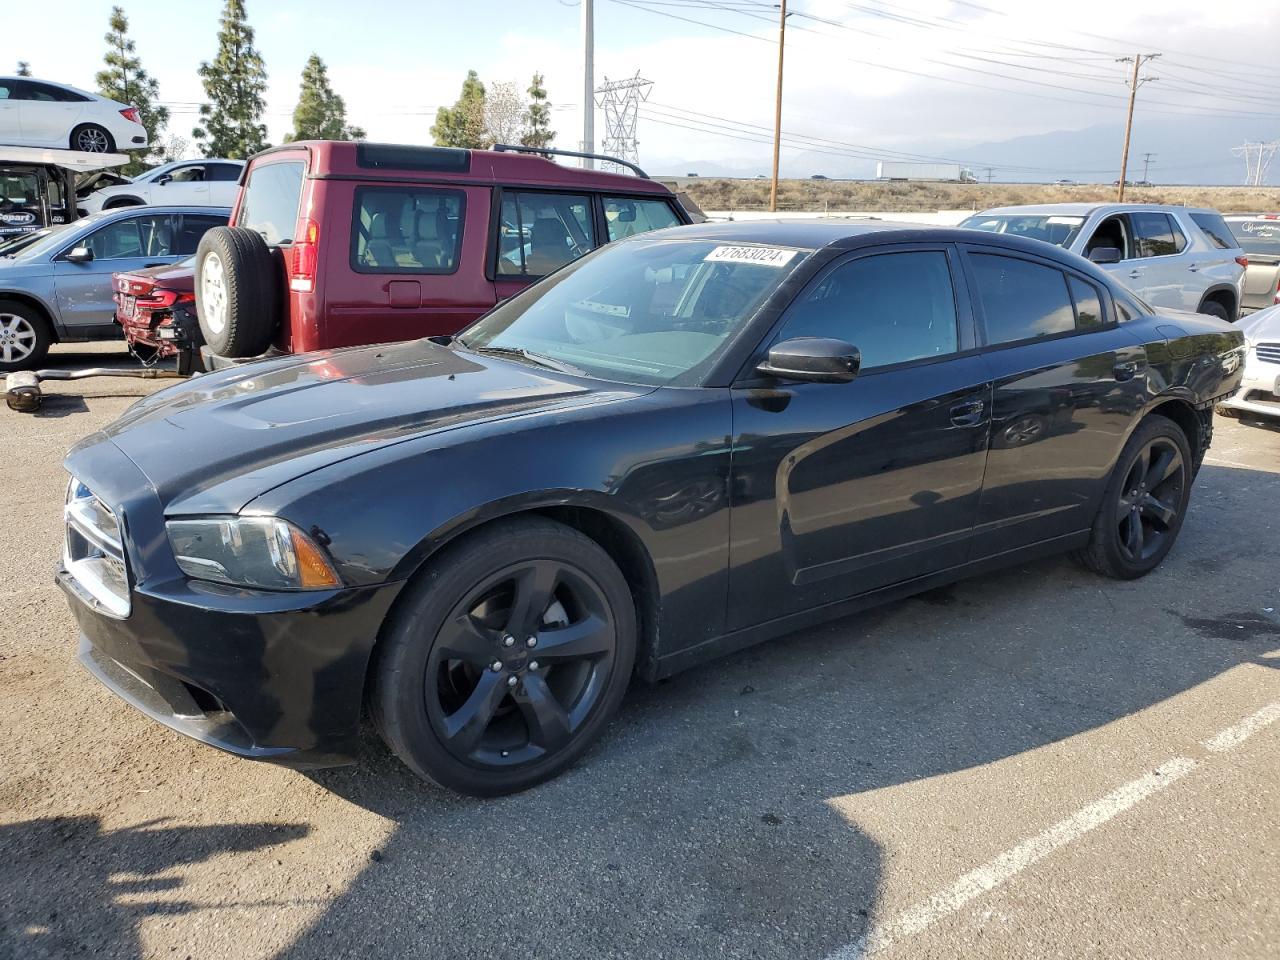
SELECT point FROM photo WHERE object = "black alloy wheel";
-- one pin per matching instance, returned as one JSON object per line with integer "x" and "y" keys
{"x": 505, "y": 657}
{"x": 1150, "y": 500}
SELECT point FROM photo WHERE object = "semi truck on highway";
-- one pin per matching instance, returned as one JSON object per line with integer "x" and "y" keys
{"x": 909, "y": 170}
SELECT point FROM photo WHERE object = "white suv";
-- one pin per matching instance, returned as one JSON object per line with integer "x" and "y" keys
{"x": 36, "y": 113}
{"x": 1176, "y": 257}
{"x": 201, "y": 183}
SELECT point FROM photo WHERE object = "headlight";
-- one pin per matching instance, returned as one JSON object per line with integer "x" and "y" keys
{"x": 250, "y": 552}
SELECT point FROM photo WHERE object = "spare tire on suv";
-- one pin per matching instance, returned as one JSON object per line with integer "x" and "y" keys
{"x": 237, "y": 291}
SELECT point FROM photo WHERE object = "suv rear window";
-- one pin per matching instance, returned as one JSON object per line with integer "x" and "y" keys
{"x": 271, "y": 198}
{"x": 1258, "y": 236}
{"x": 406, "y": 230}
{"x": 1216, "y": 229}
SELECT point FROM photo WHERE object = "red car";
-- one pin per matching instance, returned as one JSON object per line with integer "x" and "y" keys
{"x": 156, "y": 310}
{"x": 338, "y": 244}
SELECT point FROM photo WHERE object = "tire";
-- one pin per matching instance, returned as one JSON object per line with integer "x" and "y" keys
{"x": 25, "y": 336}
{"x": 91, "y": 138}
{"x": 1157, "y": 506}
{"x": 462, "y": 616}
{"x": 1214, "y": 308}
{"x": 237, "y": 291}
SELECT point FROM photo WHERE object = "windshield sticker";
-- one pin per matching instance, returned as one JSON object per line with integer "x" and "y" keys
{"x": 605, "y": 309}
{"x": 765, "y": 256}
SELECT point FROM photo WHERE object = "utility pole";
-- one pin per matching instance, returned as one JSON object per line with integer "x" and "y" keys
{"x": 990, "y": 171}
{"x": 588, "y": 84}
{"x": 1137, "y": 60}
{"x": 1146, "y": 164}
{"x": 777, "y": 108}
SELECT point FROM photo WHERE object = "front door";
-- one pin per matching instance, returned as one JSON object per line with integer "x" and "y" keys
{"x": 842, "y": 488}
{"x": 1068, "y": 381}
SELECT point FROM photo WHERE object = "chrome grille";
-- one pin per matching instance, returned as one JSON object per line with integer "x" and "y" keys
{"x": 1269, "y": 352}
{"x": 93, "y": 552}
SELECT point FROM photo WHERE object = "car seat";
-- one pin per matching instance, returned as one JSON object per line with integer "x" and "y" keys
{"x": 549, "y": 245}
{"x": 427, "y": 248}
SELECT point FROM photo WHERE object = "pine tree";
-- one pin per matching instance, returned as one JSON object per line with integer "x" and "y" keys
{"x": 462, "y": 125}
{"x": 320, "y": 114}
{"x": 231, "y": 122}
{"x": 537, "y": 119}
{"x": 24, "y": 68}
{"x": 125, "y": 81}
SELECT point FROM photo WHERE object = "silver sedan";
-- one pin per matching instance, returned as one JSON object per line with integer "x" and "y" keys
{"x": 1259, "y": 392}
{"x": 57, "y": 286}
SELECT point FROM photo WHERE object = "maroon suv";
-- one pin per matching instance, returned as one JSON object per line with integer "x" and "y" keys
{"x": 335, "y": 244}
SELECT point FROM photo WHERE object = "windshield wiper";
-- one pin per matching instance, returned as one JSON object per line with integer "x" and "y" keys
{"x": 520, "y": 353}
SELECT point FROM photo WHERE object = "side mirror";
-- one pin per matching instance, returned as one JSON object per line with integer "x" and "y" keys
{"x": 813, "y": 360}
{"x": 1105, "y": 255}
{"x": 78, "y": 255}
{"x": 163, "y": 179}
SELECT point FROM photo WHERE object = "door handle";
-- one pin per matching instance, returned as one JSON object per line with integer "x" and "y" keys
{"x": 1193, "y": 267}
{"x": 967, "y": 414}
{"x": 1125, "y": 370}
{"x": 1135, "y": 274}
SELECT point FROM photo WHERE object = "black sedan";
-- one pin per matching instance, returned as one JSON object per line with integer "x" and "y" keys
{"x": 678, "y": 446}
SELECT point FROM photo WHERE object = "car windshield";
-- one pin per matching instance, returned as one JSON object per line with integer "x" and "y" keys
{"x": 640, "y": 311}
{"x": 56, "y": 237}
{"x": 1058, "y": 230}
{"x": 11, "y": 245}
{"x": 1260, "y": 237}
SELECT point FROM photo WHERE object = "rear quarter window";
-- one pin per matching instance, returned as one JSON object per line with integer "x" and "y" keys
{"x": 271, "y": 198}
{"x": 406, "y": 230}
{"x": 1215, "y": 228}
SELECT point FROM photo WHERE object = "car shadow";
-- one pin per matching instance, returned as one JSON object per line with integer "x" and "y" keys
{"x": 85, "y": 888}
{"x": 703, "y": 824}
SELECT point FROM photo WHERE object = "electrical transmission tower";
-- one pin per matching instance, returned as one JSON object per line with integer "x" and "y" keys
{"x": 620, "y": 100}
{"x": 1257, "y": 158}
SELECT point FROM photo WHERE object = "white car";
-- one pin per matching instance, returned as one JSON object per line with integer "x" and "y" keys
{"x": 1259, "y": 392}
{"x": 1177, "y": 257}
{"x": 201, "y": 183}
{"x": 36, "y": 113}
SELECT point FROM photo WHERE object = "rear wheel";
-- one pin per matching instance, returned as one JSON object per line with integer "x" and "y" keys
{"x": 506, "y": 658}
{"x": 25, "y": 336}
{"x": 91, "y": 138}
{"x": 1145, "y": 503}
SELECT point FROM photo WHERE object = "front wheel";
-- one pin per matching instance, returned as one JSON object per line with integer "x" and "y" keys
{"x": 506, "y": 658}
{"x": 1145, "y": 502}
{"x": 1214, "y": 309}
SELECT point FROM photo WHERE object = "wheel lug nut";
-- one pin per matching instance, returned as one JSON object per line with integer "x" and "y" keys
{"x": 495, "y": 666}
{"x": 533, "y": 664}
{"x": 512, "y": 681}
{"x": 531, "y": 642}
{"x": 508, "y": 641}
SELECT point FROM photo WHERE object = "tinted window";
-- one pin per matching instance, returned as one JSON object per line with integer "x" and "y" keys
{"x": 1258, "y": 236}
{"x": 47, "y": 93}
{"x": 223, "y": 172}
{"x": 134, "y": 237}
{"x": 194, "y": 226}
{"x": 406, "y": 230}
{"x": 1088, "y": 303}
{"x": 270, "y": 203}
{"x": 1215, "y": 228}
{"x": 540, "y": 232}
{"x": 893, "y": 307}
{"x": 629, "y": 217}
{"x": 1153, "y": 234}
{"x": 1179, "y": 238}
{"x": 8, "y": 90}
{"x": 1021, "y": 300}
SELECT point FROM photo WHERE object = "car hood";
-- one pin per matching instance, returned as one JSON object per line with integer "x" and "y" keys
{"x": 1263, "y": 325}
{"x": 216, "y": 442}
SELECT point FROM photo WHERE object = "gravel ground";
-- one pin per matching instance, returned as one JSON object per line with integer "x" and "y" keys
{"x": 1032, "y": 763}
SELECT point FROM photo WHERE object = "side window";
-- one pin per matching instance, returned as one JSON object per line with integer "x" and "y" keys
{"x": 626, "y": 217}
{"x": 223, "y": 172}
{"x": 1216, "y": 229}
{"x": 1021, "y": 300}
{"x": 540, "y": 232}
{"x": 1153, "y": 234}
{"x": 893, "y": 307}
{"x": 194, "y": 226}
{"x": 50, "y": 94}
{"x": 1110, "y": 232}
{"x": 1179, "y": 238}
{"x": 131, "y": 238}
{"x": 271, "y": 200}
{"x": 1088, "y": 303}
{"x": 191, "y": 174}
{"x": 8, "y": 90}
{"x": 410, "y": 230}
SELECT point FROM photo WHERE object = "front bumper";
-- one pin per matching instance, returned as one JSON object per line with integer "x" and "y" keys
{"x": 276, "y": 677}
{"x": 1259, "y": 391}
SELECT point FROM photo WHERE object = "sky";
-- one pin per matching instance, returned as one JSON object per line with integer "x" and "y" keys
{"x": 995, "y": 82}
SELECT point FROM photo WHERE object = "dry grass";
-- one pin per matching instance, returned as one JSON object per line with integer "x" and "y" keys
{"x": 818, "y": 195}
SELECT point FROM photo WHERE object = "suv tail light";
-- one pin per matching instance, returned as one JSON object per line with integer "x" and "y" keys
{"x": 303, "y": 257}
{"x": 130, "y": 114}
{"x": 1243, "y": 261}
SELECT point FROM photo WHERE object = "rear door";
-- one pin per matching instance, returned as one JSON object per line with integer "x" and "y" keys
{"x": 1170, "y": 278}
{"x": 131, "y": 243}
{"x": 10, "y": 118}
{"x": 48, "y": 113}
{"x": 223, "y": 180}
{"x": 1068, "y": 381}
{"x": 843, "y": 488}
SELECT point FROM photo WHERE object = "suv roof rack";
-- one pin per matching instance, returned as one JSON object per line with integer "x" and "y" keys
{"x": 517, "y": 148}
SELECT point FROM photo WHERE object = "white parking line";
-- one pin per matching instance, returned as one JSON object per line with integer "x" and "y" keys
{"x": 1012, "y": 862}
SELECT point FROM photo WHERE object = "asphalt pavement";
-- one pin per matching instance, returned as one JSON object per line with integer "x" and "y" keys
{"x": 1036, "y": 763}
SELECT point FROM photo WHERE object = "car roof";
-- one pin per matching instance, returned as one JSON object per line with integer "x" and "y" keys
{"x": 1085, "y": 209}
{"x": 346, "y": 159}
